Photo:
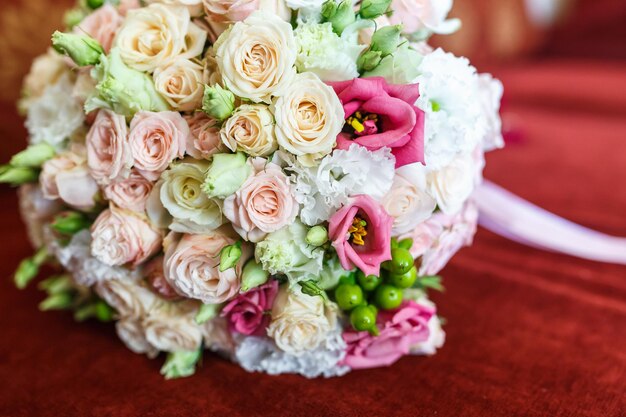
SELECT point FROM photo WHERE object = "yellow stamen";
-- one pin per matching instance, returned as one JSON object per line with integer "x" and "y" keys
{"x": 357, "y": 231}
{"x": 356, "y": 125}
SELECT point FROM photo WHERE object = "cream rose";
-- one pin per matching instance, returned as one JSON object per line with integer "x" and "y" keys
{"x": 182, "y": 196}
{"x": 128, "y": 298}
{"x": 204, "y": 140}
{"x": 121, "y": 237}
{"x": 229, "y": 11}
{"x": 101, "y": 25}
{"x": 453, "y": 184}
{"x": 156, "y": 139}
{"x": 251, "y": 130}
{"x": 131, "y": 332}
{"x": 194, "y": 6}
{"x": 172, "y": 327}
{"x": 108, "y": 152}
{"x": 408, "y": 202}
{"x": 300, "y": 322}
{"x": 309, "y": 116}
{"x": 156, "y": 35}
{"x": 67, "y": 177}
{"x": 130, "y": 193}
{"x": 181, "y": 83}
{"x": 257, "y": 57}
{"x": 192, "y": 266}
{"x": 264, "y": 203}
{"x": 211, "y": 70}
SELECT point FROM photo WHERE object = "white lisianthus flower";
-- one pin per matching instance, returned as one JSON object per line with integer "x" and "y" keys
{"x": 408, "y": 201}
{"x": 324, "y": 53}
{"x": 453, "y": 184}
{"x": 156, "y": 35}
{"x": 344, "y": 173}
{"x": 309, "y": 116}
{"x": 300, "y": 322}
{"x": 250, "y": 129}
{"x": 287, "y": 252}
{"x": 55, "y": 115}
{"x": 182, "y": 196}
{"x": 455, "y": 121}
{"x": 256, "y": 57}
{"x": 491, "y": 91}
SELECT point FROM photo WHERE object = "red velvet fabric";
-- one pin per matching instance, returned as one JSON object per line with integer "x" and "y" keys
{"x": 530, "y": 333}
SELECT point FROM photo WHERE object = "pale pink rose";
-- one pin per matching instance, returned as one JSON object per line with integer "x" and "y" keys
{"x": 101, "y": 25}
{"x": 36, "y": 211}
{"x": 400, "y": 329}
{"x": 153, "y": 271}
{"x": 264, "y": 203}
{"x": 204, "y": 140}
{"x": 229, "y": 11}
{"x": 108, "y": 150}
{"x": 430, "y": 15}
{"x": 66, "y": 177}
{"x": 156, "y": 139}
{"x": 127, "y": 5}
{"x": 130, "y": 193}
{"x": 437, "y": 239}
{"x": 191, "y": 266}
{"x": 122, "y": 237}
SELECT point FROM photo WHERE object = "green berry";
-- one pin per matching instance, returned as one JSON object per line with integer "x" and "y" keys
{"x": 348, "y": 296}
{"x": 404, "y": 280}
{"x": 95, "y": 4}
{"x": 388, "y": 297}
{"x": 401, "y": 261}
{"x": 362, "y": 318}
{"x": 368, "y": 282}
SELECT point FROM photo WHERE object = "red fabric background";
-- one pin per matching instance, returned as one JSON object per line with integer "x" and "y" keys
{"x": 530, "y": 333}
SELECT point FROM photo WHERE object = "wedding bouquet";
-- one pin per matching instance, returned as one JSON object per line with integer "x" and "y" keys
{"x": 276, "y": 181}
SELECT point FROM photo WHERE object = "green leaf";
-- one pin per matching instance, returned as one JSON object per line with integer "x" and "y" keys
{"x": 181, "y": 364}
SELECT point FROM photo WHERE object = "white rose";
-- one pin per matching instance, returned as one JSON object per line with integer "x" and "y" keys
{"x": 256, "y": 57}
{"x": 251, "y": 130}
{"x": 309, "y": 116}
{"x": 172, "y": 328}
{"x": 181, "y": 83}
{"x": 408, "y": 201}
{"x": 128, "y": 298}
{"x": 300, "y": 322}
{"x": 131, "y": 332}
{"x": 156, "y": 35}
{"x": 182, "y": 196}
{"x": 453, "y": 184}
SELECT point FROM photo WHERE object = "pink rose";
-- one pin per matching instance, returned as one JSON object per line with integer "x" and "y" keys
{"x": 437, "y": 239}
{"x": 247, "y": 314}
{"x": 361, "y": 234}
{"x": 101, "y": 25}
{"x": 399, "y": 330}
{"x": 191, "y": 266}
{"x": 130, "y": 193}
{"x": 108, "y": 151}
{"x": 380, "y": 114}
{"x": 153, "y": 271}
{"x": 127, "y": 5}
{"x": 67, "y": 177}
{"x": 264, "y": 203}
{"x": 229, "y": 11}
{"x": 121, "y": 237}
{"x": 430, "y": 15}
{"x": 156, "y": 139}
{"x": 204, "y": 140}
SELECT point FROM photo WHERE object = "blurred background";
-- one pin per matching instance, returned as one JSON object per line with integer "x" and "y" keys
{"x": 515, "y": 39}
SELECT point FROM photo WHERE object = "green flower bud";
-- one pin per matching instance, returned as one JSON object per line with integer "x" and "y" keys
{"x": 207, "y": 312}
{"x": 56, "y": 284}
{"x": 181, "y": 364}
{"x": 386, "y": 39}
{"x": 84, "y": 50}
{"x": 229, "y": 256}
{"x": 26, "y": 272}
{"x": 95, "y": 4}
{"x": 123, "y": 89}
{"x": 317, "y": 235}
{"x": 369, "y": 60}
{"x": 253, "y": 275}
{"x": 218, "y": 102}
{"x": 226, "y": 174}
{"x": 60, "y": 301}
{"x": 70, "y": 223}
{"x": 371, "y": 9}
{"x": 18, "y": 175}
{"x": 401, "y": 67}
{"x": 34, "y": 156}
{"x": 98, "y": 309}
{"x": 313, "y": 289}
{"x": 340, "y": 15}
{"x": 73, "y": 17}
